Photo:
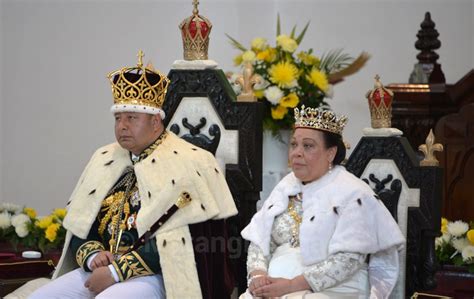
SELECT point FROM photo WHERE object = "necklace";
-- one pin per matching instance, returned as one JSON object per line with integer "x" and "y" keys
{"x": 295, "y": 230}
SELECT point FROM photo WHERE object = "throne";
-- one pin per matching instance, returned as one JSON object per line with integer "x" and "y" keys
{"x": 200, "y": 107}
{"x": 412, "y": 194}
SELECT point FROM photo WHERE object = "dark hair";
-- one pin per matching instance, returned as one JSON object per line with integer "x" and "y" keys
{"x": 333, "y": 139}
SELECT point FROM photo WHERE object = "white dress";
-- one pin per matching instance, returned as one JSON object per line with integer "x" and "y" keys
{"x": 342, "y": 223}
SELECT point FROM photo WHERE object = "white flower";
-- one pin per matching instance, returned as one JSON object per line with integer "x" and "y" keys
{"x": 10, "y": 207}
{"x": 262, "y": 84}
{"x": 457, "y": 228}
{"x": 233, "y": 82}
{"x": 460, "y": 243}
{"x": 259, "y": 43}
{"x": 468, "y": 254}
{"x": 20, "y": 220}
{"x": 439, "y": 242}
{"x": 22, "y": 231}
{"x": 5, "y": 220}
{"x": 446, "y": 237}
{"x": 273, "y": 94}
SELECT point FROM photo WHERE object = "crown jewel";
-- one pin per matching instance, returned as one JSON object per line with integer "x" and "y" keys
{"x": 195, "y": 31}
{"x": 138, "y": 89}
{"x": 380, "y": 105}
{"x": 319, "y": 119}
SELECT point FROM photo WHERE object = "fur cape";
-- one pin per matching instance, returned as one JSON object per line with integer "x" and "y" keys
{"x": 174, "y": 166}
{"x": 341, "y": 214}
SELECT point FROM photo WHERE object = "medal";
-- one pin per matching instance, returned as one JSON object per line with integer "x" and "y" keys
{"x": 130, "y": 221}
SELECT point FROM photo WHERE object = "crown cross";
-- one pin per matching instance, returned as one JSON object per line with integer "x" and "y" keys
{"x": 140, "y": 58}
{"x": 195, "y": 10}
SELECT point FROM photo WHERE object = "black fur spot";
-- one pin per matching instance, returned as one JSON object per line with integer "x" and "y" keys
{"x": 215, "y": 169}
{"x": 203, "y": 207}
{"x": 172, "y": 181}
{"x": 198, "y": 173}
{"x": 270, "y": 207}
{"x": 184, "y": 241}
{"x": 149, "y": 194}
{"x": 104, "y": 152}
{"x": 335, "y": 210}
{"x": 92, "y": 192}
{"x": 108, "y": 163}
{"x": 175, "y": 152}
{"x": 359, "y": 201}
{"x": 164, "y": 243}
{"x": 311, "y": 219}
{"x": 153, "y": 160}
{"x": 194, "y": 149}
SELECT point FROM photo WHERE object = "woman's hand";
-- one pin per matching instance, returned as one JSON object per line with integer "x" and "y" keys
{"x": 278, "y": 287}
{"x": 258, "y": 279}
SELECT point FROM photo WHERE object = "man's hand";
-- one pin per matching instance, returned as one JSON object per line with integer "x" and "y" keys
{"x": 102, "y": 259}
{"x": 100, "y": 279}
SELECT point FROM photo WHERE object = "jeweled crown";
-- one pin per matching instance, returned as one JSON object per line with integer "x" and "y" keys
{"x": 380, "y": 105}
{"x": 195, "y": 31}
{"x": 319, "y": 119}
{"x": 138, "y": 89}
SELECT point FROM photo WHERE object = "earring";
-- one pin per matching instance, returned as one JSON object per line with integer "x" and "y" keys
{"x": 330, "y": 167}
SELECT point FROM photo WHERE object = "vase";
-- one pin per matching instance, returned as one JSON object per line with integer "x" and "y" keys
{"x": 275, "y": 161}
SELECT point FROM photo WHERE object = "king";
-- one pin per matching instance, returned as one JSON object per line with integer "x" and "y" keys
{"x": 137, "y": 203}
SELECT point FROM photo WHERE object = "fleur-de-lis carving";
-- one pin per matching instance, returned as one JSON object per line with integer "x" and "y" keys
{"x": 247, "y": 80}
{"x": 428, "y": 150}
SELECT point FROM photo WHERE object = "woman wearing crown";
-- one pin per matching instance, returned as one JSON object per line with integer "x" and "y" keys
{"x": 322, "y": 232}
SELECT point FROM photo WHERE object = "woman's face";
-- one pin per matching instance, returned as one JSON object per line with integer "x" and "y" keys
{"x": 308, "y": 155}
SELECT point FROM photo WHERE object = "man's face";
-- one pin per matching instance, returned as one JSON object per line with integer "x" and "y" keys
{"x": 136, "y": 131}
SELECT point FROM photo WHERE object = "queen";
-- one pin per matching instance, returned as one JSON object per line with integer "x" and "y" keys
{"x": 322, "y": 232}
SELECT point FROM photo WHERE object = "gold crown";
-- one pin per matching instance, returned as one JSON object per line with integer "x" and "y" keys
{"x": 195, "y": 31}
{"x": 138, "y": 89}
{"x": 380, "y": 105}
{"x": 319, "y": 119}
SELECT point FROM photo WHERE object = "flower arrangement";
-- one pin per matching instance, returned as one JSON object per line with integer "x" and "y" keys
{"x": 456, "y": 244}
{"x": 20, "y": 226}
{"x": 291, "y": 78}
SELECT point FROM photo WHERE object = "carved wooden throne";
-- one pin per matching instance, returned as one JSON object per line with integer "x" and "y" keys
{"x": 200, "y": 107}
{"x": 412, "y": 194}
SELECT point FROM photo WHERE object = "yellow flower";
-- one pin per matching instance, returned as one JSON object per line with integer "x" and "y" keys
{"x": 52, "y": 232}
{"x": 284, "y": 74}
{"x": 238, "y": 60}
{"x": 259, "y": 93}
{"x": 44, "y": 222}
{"x": 259, "y": 43}
{"x": 30, "y": 212}
{"x": 248, "y": 56}
{"x": 279, "y": 112}
{"x": 290, "y": 101}
{"x": 286, "y": 43}
{"x": 318, "y": 79}
{"x": 308, "y": 59}
{"x": 444, "y": 225}
{"x": 470, "y": 236}
{"x": 59, "y": 213}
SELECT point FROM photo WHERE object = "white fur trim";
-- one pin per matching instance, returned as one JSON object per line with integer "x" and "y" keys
{"x": 137, "y": 108}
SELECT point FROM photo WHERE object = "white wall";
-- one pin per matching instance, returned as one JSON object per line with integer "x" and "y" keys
{"x": 56, "y": 54}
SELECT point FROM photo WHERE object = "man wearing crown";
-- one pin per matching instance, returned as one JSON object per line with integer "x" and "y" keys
{"x": 129, "y": 218}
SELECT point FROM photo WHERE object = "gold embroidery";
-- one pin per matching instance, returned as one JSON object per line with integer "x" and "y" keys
{"x": 86, "y": 249}
{"x": 131, "y": 265}
{"x": 152, "y": 147}
{"x": 295, "y": 230}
